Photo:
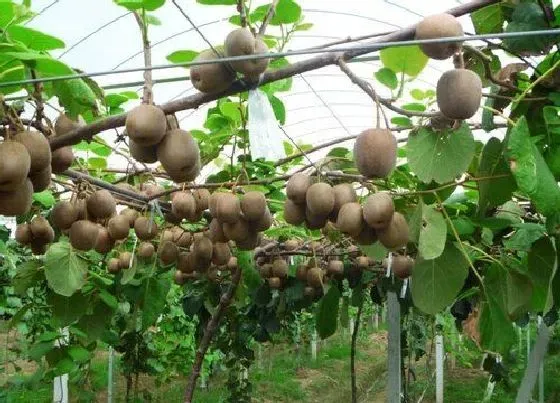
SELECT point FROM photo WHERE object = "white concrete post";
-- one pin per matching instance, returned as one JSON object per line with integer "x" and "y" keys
{"x": 60, "y": 383}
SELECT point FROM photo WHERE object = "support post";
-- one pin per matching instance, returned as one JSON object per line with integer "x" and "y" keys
{"x": 60, "y": 383}
{"x": 110, "y": 376}
{"x": 394, "y": 348}
{"x": 314, "y": 345}
{"x": 541, "y": 369}
{"x": 533, "y": 365}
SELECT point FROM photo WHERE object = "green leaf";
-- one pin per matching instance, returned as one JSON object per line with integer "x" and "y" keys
{"x": 94, "y": 324}
{"x": 542, "y": 267}
{"x": 303, "y": 27}
{"x": 287, "y": 12}
{"x": 148, "y": 5}
{"x": 374, "y": 251}
{"x": 27, "y": 275}
{"x": 344, "y": 316}
{"x": 153, "y": 300}
{"x": 79, "y": 354}
{"x": 278, "y": 108}
{"x": 401, "y": 121}
{"x": 38, "y": 350}
{"x": 436, "y": 283}
{"x": 109, "y": 299}
{"x": 551, "y": 115}
{"x": 34, "y": 39}
{"x": 75, "y": 96}
{"x": 217, "y": 2}
{"x": 488, "y": 20}
{"x": 528, "y": 16}
{"x": 326, "y": 316}
{"x": 182, "y": 56}
{"x": 250, "y": 275}
{"x": 231, "y": 111}
{"x": 45, "y": 198}
{"x": 97, "y": 163}
{"x": 404, "y": 59}
{"x": 523, "y": 238}
{"x": 19, "y": 315}
{"x": 519, "y": 292}
{"x": 440, "y": 156}
{"x": 433, "y": 232}
{"x": 494, "y": 192}
{"x": 387, "y": 77}
{"x": 67, "y": 310}
{"x": 65, "y": 270}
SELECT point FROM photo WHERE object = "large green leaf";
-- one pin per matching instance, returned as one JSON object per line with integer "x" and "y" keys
{"x": 287, "y": 12}
{"x": 436, "y": 282}
{"x": 153, "y": 300}
{"x": 528, "y": 16}
{"x": 432, "y": 234}
{"x": 75, "y": 95}
{"x": 34, "y": 39}
{"x": 404, "y": 59}
{"x": 488, "y": 20}
{"x": 65, "y": 270}
{"x": 326, "y": 317}
{"x": 95, "y": 323}
{"x": 67, "y": 310}
{"x": 526, "y": 233}
{"x": 519, "y": 292}
{"x": 250, "y": 275}
{"x": 440, "y": 156}
{"x": 182, "y": 56}
{"x": 542, "y": 267}
{"x": 387, "y": 77}
{"x": 494, "y": 192}
{"x": 27, "y": 275}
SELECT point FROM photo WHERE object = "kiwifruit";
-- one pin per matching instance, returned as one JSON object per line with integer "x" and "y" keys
{"x": 17, "y": 202}
{"x": 266, "y": 270}
{"x": 296, "y": 188}
{"x": 343, "y": 193}
{"x": 213, "y": 77}
{"x": 367, "y": 236}
{"x": 313, "y": 221}
{"x": 145, "y": 154}
{"x": 178, "y": 278}
{"x": 15, "y": 163}
{"x": 291, "y": 244}
{"x": 315, "y": 245}
{"x": 23, "y": 234}
{"x": 146, "y": 250}
{"x": 459, "y": 92}
{"x": 81, "y": 207}
{"x": 274, "y": 282}
{"x": 167, "y": 235}
{"x": 251, "y": 242}
{"x": 315, "y": 277}
{"x": 104, "y": 241}
{"x": 167, "y": 252}
{"x": 146, "y": 125}
{"x": 396, "y": 234}
{"x": 439, "y": 26}
{"x": 309, "y": 292}
{"x": 335, "y": 268}
{"x": 232, "y": 263}
{"x": 41, "y": 180}
{"x": 216, "y": 232}
{"x": 294, "y": 213}
{"x": 118, "y": 227}
{"x": 279, "y": 268}
{"x": 237, "y": 231}
{"x": 62, "y": 159}
{"x": 301, "y": 272}
{"x": 83, "y": 234}
{"x": 221, "y": 254}
{"x": 202, "y": 249}
{"x": 242, "y": 42}
{"x": 171, "y": 218}
{"x": 38, "y": 247}
{"x": 39, "y": 227}
{"x": 131, "y": 215}
{"x": 401, "y": 266}
{"x": 178, "y": 154}
{"x": 144, "y": 229}
{"x": 38, "y": 148}
{"x": 113, "y": 265}
{"x": 183, "y": 204}
{"x": 320, "y": 199}
{"x": 181, "y": 237}
{"x": 64, "y": 124}
{"x": 378, "y": 210}
{"x": 353, "y": 251}
{"x": 213, "y": 203}
{"x": 101, "y": 204}
{"x": 263, "y": 223}
{"x": 151, "y": 189}
{"x": 201, "y": 198}
{"x": 185, "y": 262}
{"x": 253, "y": 205}
{"x": 228, "y": 208}
{"x": 362, "y": 262}
{"x": 375, "y": 152}
{"x": 350, "y": 220}
{"x": 125, "y": 258}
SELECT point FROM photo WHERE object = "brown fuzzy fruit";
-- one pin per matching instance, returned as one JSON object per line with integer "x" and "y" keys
{"x": 320, "y": 199}
{"x": 213, "y": 77}
{"x": 152, "y": 189}
{"x": 202, "y": 249}
{"x": 41, "y": 180}
{"x": 23, "y": 234}
{"x": 81, "y": 208}
{"x": 145, "y": 154}
{"x": 113, "y": 265}
{"x": 131, "y": 215}
{"x": 185, "y": 262}
{"x": 313, "y": 221}
{"x": 181, "y": 237}
{"x": 15, "y": 163}
{"x": 378, "y": 210}
{"x": 167, "y": 252}
{"x": 83, "y": 234}
{"x": 396, "y": 234}
{"x": 263, "y": 223}
{"x": 125, "y": 258}
{"x": 178, "y": 277}
{"x": 291, "y": 244}
{"x": 146, "y": 125}
{"x": 301, "y": 272}
{"x": 104, "y": 241}
{"x": 459, "y": 92}
{"x": 375, "y": 153}
{"x": 294, "y": 213}
{"x": 309, "y": 292}
{"x": 228, "y": 208}
{"x": 62, "y": 159}
{"x": 39, "y": 227}
{"x": 350, "y": 219}
{"x": 101, "y": 204}
{"x": 183, "y": 204}
{"x": 362, "y": 262}
{"x": 238, "y": 231}
{"x": 17, "y": 202}
{"x": 335, "y": 268}
{"x": 253, "y": 205}
{"x": 343, "y": 193}
{"x": 296, "y": 188}
{"x": 279, "y": 268}
{"x": 401, "y": 266}
{"x": 144, "y": 229}
{"x": 274, "y": 283}
{"x": 146, "y": 250}
{"x": 315, "y": 277}
{"x": 118, "y": 227}
{"x": 439, "y": 26}
{"x": 368, "y": 236}
{"x": 221, "y": 254}
{"x": 38, "y": 148}
{"x": 179, "y": 155}
{"x": 64, "y": 124}
{"x": 232, "y": 263}
{"x": 201, "y": 198}
{"x": 241, "y": 42}
{"x": 266, "y": 270}
{"x": 253, "y": 240}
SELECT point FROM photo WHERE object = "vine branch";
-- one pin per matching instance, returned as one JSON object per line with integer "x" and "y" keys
{"x": 268, "y": 18}
{"x": 147, "y": 49}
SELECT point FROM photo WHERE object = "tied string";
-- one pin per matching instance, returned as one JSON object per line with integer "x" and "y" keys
{"x": 154, "y": 208}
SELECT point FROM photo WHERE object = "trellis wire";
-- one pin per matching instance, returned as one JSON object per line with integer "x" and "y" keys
{"x": 367, "y": 48}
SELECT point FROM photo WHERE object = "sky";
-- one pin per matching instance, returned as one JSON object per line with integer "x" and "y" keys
{"x": 323, "y": 106}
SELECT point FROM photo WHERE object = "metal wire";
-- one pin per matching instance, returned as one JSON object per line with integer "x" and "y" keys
{"x": 365, "y": 48}
{"x": 365, "y": 17}
{"x": 44, "y": 9}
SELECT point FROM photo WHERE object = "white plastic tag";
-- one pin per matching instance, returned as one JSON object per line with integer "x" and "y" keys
{"x": 265, "y": 136}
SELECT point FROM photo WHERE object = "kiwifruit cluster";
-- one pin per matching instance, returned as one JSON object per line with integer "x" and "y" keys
{"x": 154, "y": 137}
{"x": 242, "y": 42}
{"x": 36, "y": 234}
{"x": 25, "y": 167}
{"x": 210, "y": 78}
{"x": 375, "y": 152}
{"x": 63, "y": 157}
{"x": 190, "y": 205}
{"x": 401, "y": 266}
